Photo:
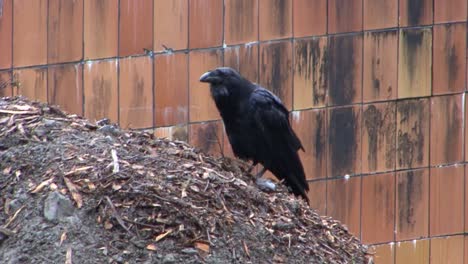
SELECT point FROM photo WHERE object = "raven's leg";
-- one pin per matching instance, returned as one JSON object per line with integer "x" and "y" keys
{"x": 264, "y": 184}
{"x": 260, "y": 173}
{"x": 252, "y": 167}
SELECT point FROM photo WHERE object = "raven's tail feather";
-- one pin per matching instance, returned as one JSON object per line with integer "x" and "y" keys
{"x": 289, "y": 168}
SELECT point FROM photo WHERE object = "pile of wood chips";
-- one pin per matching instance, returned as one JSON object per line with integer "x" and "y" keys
{"x": 166, "y": 195}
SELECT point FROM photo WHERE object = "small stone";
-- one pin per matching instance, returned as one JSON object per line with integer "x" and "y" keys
{"x": 57, "y": 207}
{"x": 49, "y": 122}
{"x": 190, "y": 251}
{"x": 109, "y": 130}
{"x": 40, "y": 131}
{"x": 169, "y": 258}
{"x": 118, "y": 259}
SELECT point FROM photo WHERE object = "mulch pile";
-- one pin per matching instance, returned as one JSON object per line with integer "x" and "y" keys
{"x": 145, "y": 199}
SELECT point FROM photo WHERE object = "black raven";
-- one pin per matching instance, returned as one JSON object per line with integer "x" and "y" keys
{"x": 258, "y": 127}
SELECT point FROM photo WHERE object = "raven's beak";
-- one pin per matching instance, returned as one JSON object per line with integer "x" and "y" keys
{"x": 211, "y": 77}
{"x": 206, "y": 77}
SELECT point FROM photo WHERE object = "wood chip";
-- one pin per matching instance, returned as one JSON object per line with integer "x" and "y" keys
{"x": 13, "y": 217}
{"x": 41, "y": 186}
{"x": 163, "y": 235}
{"x": 205, "y": 247}
{"x": 63, "y": 237}
{"x": 77, "y": 170}
{"x": 74, "y": 192}
{"x": 6, "y": 231}
{"x": 155, "y": 192}
{"x": 151, "y": 247}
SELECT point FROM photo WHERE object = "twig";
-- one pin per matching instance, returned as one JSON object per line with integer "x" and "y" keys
{"x": 13, "y": 217}
{"x": 208, "y": 236}
{"x": 115, "y": 161}
{"x": 140, "y": 224}
{"x": 117, "y": 216}
{"x": 219, "y": 174}
{"x": 246, "y": 249}
{"x": 4, "y": 111}
{"x": 6, "y": 231}
{"x": 68, "y": 257}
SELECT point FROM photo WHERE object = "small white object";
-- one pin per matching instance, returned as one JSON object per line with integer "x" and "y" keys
{"x": 115, "y": 161}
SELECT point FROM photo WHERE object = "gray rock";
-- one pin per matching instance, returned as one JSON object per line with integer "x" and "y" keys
{"x": 19, "y": 200}
{"x": 118, "y": 259}
{"x": 50, "y": 122}
{"x": 41, "y": 131}
{"x": 57, "y": 207}
{"x": 169, "y": 258}
{"x": 109, "y": 130}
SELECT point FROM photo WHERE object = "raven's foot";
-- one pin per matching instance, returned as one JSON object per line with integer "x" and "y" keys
{"x": 265, "y": 185}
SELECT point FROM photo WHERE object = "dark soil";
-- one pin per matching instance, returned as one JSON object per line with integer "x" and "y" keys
{"x": 72, "y": 191}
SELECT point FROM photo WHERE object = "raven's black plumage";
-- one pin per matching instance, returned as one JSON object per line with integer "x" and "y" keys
{"x": 257, "y": 126}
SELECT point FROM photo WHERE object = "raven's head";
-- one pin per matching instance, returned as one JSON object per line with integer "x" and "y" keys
{"x": 221, "y": 75}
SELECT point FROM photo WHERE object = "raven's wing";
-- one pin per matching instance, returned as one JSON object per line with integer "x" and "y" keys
{"x": 271, "y": 116}
{"x": 276, "y": 142}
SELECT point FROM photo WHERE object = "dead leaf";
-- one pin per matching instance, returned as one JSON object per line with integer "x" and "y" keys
{"x": 74, "y": 192}
{"x": 205, "y": 247}
{"x": 42, "y": 185}
{"x": 151, "y": 247}
{"x": 163, "y": 235}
